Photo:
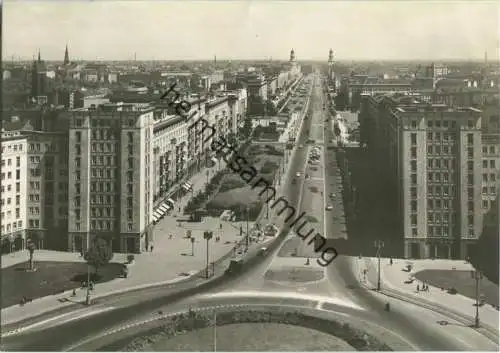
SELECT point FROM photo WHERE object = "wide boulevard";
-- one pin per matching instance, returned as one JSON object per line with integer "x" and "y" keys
{"x": 289, "y": 276}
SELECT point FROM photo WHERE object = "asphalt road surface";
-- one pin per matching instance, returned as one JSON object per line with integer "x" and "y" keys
{"x": 336, "y": 293}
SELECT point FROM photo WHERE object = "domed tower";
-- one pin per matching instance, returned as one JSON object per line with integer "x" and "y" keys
{"x": 292, "y": 55}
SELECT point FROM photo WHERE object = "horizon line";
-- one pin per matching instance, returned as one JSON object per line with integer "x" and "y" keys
{"x": 8, "y": 58}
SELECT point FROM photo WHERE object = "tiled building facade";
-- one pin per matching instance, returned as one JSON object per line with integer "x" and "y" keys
{"x": 435, "y": 159}
{"x": 110, "y": 168}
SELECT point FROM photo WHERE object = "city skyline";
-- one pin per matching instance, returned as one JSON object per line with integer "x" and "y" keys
{"x": 250, "y": 27}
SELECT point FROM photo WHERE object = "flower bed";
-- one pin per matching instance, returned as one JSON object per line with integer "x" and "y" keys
{"x": 180, "y": 324}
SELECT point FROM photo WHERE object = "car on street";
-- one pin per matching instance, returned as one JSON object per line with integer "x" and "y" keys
{"x": 298, "y": 174}
{"x": 329, "y": 207}
{"x": 332, "y": 195}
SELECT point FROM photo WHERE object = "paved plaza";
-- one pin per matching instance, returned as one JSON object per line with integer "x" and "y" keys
{"x": 394, "y": 278}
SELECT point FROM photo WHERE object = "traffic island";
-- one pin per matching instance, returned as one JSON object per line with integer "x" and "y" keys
{"x": 194, "y": 324}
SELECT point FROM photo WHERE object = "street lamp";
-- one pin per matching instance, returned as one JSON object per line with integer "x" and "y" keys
{"x": 207, "y": 236}
{"x": 247, "y": 236}
{"x": 477, "y": 276}
{"x": 379, "y": 244}
{"x": 87, "y": 296}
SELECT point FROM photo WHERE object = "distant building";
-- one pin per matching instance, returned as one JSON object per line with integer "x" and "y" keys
{"x": 39, "y": 81}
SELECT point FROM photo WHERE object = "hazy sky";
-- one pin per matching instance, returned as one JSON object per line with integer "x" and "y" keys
{"x": 169, "y": 30}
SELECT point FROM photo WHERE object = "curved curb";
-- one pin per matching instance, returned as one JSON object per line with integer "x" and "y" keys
{"x": 250, "y": 260}
{"x": 486, "y": 330}
{"x": 313, "y": 313}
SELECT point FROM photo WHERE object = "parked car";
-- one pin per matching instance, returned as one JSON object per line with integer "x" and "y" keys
{"x": 329, "y": 207}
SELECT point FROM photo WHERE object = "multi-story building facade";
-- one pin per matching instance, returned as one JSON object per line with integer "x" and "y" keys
{"x": 34, "y": 189}
{"x": 110, "y": 168}
{"x": 14, "y": 183}
{"x": 432, "y": 156}
{"x": 102, "y": 170}
{"x": 170, "y": 149}
{"x": 238, "y": 108}
{"x": 217, "y": 113}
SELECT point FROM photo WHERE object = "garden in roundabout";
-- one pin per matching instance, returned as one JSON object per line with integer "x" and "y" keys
{"x": 256, "y": 329}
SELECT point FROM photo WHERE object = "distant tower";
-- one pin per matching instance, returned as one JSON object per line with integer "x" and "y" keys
{"x": 292, "y": 56}
{"x": 331, "y": 71}
{"x": 39, "y": 80}
{"x": 66, "y": 56}
{"x": 215, "y": 60}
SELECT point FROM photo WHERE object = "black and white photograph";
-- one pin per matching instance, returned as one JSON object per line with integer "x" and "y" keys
{"x": 250, "y": 175}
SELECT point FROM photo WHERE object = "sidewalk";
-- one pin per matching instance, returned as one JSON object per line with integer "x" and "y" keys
{"x": 169, "y": 262}
{"x": 393, "y": 278}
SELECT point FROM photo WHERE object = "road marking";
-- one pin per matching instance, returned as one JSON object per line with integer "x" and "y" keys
{"x": 71, "y": 316}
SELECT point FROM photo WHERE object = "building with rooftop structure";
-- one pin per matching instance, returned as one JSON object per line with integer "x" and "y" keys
{"x": 428, "y": 159}
{"x": 110, "y": 176}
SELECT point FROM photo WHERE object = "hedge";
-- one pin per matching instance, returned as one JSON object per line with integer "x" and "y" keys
{"x": 192, "y": 321}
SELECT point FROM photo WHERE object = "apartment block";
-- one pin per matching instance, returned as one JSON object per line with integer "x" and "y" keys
{"x": 170, "y": 148}
{"x": 110, "y": 169}
{"x": 434, "y": 158}
{"x": 34, "y": 189}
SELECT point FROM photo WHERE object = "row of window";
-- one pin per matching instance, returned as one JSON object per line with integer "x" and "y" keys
{"x": 489, "y": 150}
{"x": 15, "y": 226}
{"x": 17, "y": 147}
{"x": 438, "y": 177}
{"x": 34, "y": 223}
{"x": 9, "y": 162}
{"x": 102, "y": 225}
{"x": 438, "y": 163}
{"x": 9, "y": 175}
{"x": 492, "y": 163}
{"x": 492, "y": 177}
{"x": 9, "y": 187}
{"x": 102, "y": 211}
{"x": 439, "y": 150}
{"x": 104, "y": 147}
{"x": 102, "y": 187}
{"x": 9, "y": 200}
{"x": 108, "y": 173}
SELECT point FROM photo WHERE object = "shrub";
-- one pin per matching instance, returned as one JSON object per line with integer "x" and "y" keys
{"x": 182, "y": 323}
{"x": 231, "y": 184}
{"x": 273, "y": 151}
{"x": 268, "y": 167}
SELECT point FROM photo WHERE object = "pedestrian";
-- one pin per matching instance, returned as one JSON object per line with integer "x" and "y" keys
{"x": 152, "y": 246}
{"x": 74, "y": 292}
{"x": 390, "y": 261}
{"x": 241, "y": 230}
{"x": 418, "y": 288}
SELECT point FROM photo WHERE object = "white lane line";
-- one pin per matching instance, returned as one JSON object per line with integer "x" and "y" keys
{"x": 60, "y": 319}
